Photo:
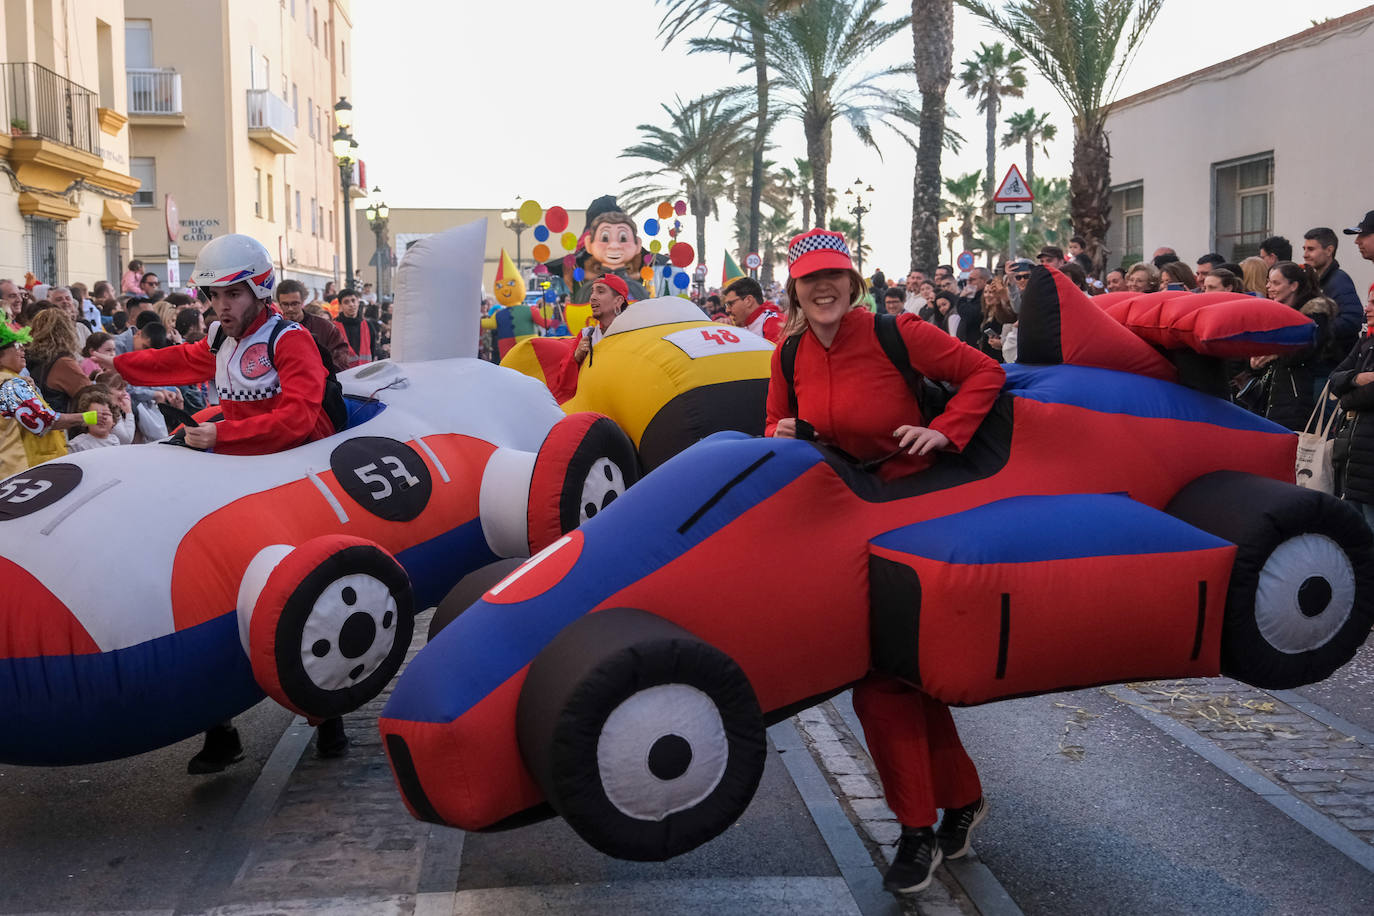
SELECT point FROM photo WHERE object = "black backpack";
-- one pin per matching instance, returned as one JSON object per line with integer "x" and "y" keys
{"x": 931, "y": 397}
{"x": 334, "y": 406}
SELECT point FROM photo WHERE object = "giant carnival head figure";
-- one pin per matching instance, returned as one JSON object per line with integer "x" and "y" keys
{"x": 509, "y": 287}
{"x": 612, "y": 236}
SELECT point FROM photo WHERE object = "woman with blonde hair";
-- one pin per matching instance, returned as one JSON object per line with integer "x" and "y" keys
{"x": 54, "y": 357}
{"x": 1255, "y": 276}
{"x": 842, "y": 389}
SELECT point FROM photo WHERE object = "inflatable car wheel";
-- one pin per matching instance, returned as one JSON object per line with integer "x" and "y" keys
{"x": 1301, "y": 598}
{"x": 585, "y": 463}
{"x": 648, "y": 741}
{"x": 328, "y": 623}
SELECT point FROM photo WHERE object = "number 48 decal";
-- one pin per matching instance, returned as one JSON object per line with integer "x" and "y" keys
{"x": 722, "y": 336}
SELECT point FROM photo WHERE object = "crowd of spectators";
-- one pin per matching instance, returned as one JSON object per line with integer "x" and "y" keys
{"x": 62, "y": 329}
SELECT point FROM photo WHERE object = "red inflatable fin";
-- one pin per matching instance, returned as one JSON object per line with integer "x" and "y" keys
{"x": 1224, "y": 324}
{"x": 1061, "y": 324}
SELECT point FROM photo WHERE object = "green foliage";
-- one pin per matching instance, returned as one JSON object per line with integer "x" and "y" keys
{"x": 691, "y": 152}
{"x": 1081, "y": 47}
{"x": 991, "y": 74}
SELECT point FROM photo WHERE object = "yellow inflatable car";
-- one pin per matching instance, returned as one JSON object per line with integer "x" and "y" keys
{"x": 664, "y": 373}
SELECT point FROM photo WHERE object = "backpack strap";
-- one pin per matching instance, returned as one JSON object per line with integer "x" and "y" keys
{"x": 931, "y": 397}
{"x": 789, "y": 368}
{"x": 279, "y": 324}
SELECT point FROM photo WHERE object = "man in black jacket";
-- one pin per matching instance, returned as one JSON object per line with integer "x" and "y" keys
{"x": 1353, "y": 382}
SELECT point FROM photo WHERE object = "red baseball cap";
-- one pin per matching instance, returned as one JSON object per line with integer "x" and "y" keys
{"x": 616, "y": 284}
{"x": 818, "y": 249}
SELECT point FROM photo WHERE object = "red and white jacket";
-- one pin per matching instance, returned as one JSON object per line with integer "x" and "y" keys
{"x": 270, "y": 403}
{"x": 765, "y": 321}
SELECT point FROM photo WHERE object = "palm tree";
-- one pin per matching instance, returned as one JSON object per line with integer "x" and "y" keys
{"x": 701, "y": 138}
{"x": 1032, "y": 128}
{"x": 774, "y": 236}
{"x": 850, "y": 231}
{"x": 816, "y": 51}
{"x": 746, "y": 17}
{"x": 987, "y": 76}
{"x": 962, "y": 204}
{"x": 932, "y": 33}
{"x": 1082, "y": 47}
{"x": 803, "y": 188}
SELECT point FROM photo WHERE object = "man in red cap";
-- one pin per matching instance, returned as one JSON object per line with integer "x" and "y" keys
{"x": 609, "y": 295}
{"x": 744, "y": 303}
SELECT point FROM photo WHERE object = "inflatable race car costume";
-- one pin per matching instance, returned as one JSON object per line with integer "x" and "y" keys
{"x": 293, "y": 574}
{"x": 1102, "y": 525}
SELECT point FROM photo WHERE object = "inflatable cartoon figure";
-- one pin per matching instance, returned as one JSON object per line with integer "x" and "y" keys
{"x": 515, "y": 321}
{"x": 1103, "y": 525}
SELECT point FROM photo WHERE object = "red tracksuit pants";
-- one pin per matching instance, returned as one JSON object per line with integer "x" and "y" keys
{"x": 920, "y": 759}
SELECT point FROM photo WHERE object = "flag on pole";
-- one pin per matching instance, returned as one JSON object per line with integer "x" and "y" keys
{"x": 730, "y": 272}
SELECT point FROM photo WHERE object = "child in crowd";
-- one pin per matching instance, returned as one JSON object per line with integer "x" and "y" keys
{"x": 102, "y": 434}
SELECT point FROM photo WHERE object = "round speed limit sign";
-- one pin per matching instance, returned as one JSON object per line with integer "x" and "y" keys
{"x": 752, "y": 261}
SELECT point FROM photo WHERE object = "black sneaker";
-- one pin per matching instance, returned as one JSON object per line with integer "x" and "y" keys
{"x": 222, "y": 747}
{"x": 918, "y": 855}
{"x": 956, "y": 830}
{"x": 330, "y": 739}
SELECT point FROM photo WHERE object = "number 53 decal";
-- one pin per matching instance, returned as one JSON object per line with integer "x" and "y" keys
{"x": 386, "y": 477}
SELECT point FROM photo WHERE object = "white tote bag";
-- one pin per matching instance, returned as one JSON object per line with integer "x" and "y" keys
{"x": 1313, "y": 468}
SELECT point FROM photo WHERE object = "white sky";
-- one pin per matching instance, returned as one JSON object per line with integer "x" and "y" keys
{"x": 459, "y": 103}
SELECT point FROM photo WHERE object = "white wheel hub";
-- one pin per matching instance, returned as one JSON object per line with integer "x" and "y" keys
{"x": 350, "y": 631}
{"x": 605, "y": 482}
{"x": 661, "y": 751}
{"x": 1305, "y": 595}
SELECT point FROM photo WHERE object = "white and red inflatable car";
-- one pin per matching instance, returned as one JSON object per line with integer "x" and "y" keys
{"x": 150, "y": 591}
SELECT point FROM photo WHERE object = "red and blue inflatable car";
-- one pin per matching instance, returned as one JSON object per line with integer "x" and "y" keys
{"x": 1102, "y": 526}
{"x": 151, "y": 592}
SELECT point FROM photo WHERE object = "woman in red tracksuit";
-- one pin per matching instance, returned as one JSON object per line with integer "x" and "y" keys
{"x": 849, "y": 391}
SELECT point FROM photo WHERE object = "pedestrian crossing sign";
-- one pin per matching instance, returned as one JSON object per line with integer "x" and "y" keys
{"x": 1013, "y": 187}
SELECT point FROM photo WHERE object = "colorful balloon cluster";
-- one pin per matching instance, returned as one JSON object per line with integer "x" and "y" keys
{"x": 554, "y": 222}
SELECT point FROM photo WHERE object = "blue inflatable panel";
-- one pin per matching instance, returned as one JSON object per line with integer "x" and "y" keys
{"x": 1106, "y": 391}
{"x": 95, "y": 707}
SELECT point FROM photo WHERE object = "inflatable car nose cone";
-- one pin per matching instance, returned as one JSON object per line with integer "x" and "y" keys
{"x": 403, "y": 765}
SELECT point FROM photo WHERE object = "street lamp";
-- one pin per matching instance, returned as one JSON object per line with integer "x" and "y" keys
{"x": 858, "y": 211}
{"x": 346, "y": 152}
{"x": 377, "y": 213}
{"x": 513, "y": 222}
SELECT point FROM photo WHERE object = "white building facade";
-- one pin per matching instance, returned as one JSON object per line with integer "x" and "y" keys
{"x": 1274, "y": 142}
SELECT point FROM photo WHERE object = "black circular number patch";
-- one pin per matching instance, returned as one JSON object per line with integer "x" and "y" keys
{"x": 34, "y": 489}
{"x": 385, "y": 477}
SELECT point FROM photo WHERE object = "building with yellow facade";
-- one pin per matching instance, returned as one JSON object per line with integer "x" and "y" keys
{"x": 66, "y": 195}
{"x": 230, "y": 106}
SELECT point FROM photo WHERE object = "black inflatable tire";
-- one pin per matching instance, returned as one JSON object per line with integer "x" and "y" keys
{"x": 601, "y": 723}
{"x": 1301, "y": 598}
{"x": 466, "y": 593}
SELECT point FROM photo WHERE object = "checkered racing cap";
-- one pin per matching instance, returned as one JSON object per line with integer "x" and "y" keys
{"x": 818, "y": 249}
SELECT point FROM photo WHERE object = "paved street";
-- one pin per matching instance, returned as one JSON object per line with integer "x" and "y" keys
{"x": 1167, "y": 797}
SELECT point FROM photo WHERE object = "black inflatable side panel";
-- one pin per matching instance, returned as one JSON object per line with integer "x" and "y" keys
{"x": 695, "y": 414}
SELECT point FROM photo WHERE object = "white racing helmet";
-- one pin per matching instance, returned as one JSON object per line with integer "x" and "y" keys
{"x": 232, "y": 259}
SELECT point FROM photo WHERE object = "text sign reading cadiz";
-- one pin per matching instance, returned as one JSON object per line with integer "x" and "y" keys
{"x": 1013, "y": 187}
{"x": 1013, "y": 206}
{"x": 699, "y": 342}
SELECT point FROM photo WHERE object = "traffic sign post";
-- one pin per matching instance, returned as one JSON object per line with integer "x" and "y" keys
{"x": 1013, "y": 196}
{"x": 752, "y": 261}
{"x": 965, "y": 261}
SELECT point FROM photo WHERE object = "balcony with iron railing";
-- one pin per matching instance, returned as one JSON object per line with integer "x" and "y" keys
{"x": 155, "y": 97}
{"x": 40, "y": 104}
{"x": 271, "y": 122}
